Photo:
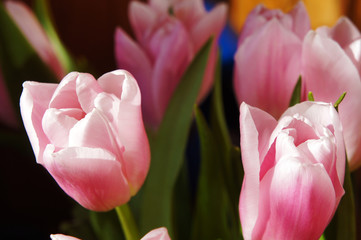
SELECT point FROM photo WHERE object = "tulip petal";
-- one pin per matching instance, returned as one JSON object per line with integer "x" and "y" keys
{"x": 94, "y": 131}
{"x": 189, "y": 12}
{"x": 344, "y": 32}
{"x": 335, "y": 74}
{"x": 130, "y": 132}
{"x": 65, "y": 95}
{"x": 256, "y": 127}
{"x": 87, "y": 88}
{"x": 142, "y": 18}
{"x": 274, "y": 76}
{"x": 92, "y": 176}
{"x": 301, "y": 21}
{"x": 62, "y": 237}
{"x": 34, "y": 101}
{"x": 157, "y": 234}
{"x": 298, "y": 195}
{"x": 58, "y": 122}
{"x": 172, "y": 60}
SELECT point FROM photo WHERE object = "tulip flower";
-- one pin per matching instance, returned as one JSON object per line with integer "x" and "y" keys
{"x": 89, "y": 135}
{"x": 62, "y": 237}
{"x": 35, "y": 34}
{"x": 321, "y": 13}
{"x": 332, "y": 65}
{"x": 293, "y": 171}
{"x": 168, "y": 35}
{"x": 268, "y": 59}
{"x": 157, "y": 234}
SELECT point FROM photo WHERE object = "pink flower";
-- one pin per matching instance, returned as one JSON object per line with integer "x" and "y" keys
{"x": 168, "y": 35}
{"x": 268, "y": 59}
{"x": 157, "y": 234}
{"x": 62, "y": 237}
{"x": 89, "y": 135}
{"x": 331, "y": 63}
{"x": 35, "y": 34}
{"x": 294, "y": 171}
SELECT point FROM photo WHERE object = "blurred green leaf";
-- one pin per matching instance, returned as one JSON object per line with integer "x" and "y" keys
{"x": 343, "y": 224}
{"x": 18, "y": 60}
{"x": 106, "y": 225}
{"x": 168, "y": 147}
{"x": 45, "y": 18}
{"x": 296, "y": 94}
{"x": 213, "y": 218}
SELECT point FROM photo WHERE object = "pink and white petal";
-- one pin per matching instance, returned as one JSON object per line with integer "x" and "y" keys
{"x": 189, "y": 12}
{"x": 94, "y": 131}
{"x": 65, "y": 94}
{"x": 161, "y": 6}
{"x": 62, "y": 237}
{"x": 269, "y": 83}
{"x": 34, "y": 101}
{"x": 56, "y": 124}
{"x": 344, "y": 32}
{"x": 87, "y": 88}
{"x": 301, "y": 21}
{"x": 353, "y": 51}
{"x": 172, "y": 61}
{"x": 128, "y": 56}
{"x": 91, "y": 176}
{"x": 33, "y": 31}
{"x": 256, "y": 127}
{"x": 210, "y": 25}
{"x": 131, "y": 134}
{"x": 299, "y": 194}
{"x": 142, "y": 18}
{"x": 123, "y": 85}
{"x": 157, "y": 234}
{"x": 328, "y": 72}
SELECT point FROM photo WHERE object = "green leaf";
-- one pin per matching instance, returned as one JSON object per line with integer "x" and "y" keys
{"x": 18, "y": 60}
{"x": 296, "y": 94}
{"x": 343, "y": 224}
{"x": 45, "y": 18}
{"x": 310, "y": 97}
{"x": 213, "y": 205}
{"x": 168, "y": 146}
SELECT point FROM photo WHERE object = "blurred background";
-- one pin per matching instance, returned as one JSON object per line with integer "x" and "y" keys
{"x": 33, "y": 205}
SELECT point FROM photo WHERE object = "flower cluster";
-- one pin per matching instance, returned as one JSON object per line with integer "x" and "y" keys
{"x": 123, "y": 137}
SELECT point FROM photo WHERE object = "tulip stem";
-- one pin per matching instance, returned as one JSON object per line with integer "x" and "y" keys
{"x": 127, "y": 221}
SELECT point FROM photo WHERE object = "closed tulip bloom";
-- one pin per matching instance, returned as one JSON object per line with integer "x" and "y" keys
{"x": 293, "y": 171}
{"x": 268, "y": 59}
{"x": 331, "y": 60}
{"x": 89, "y": 135}
{"x": 168, "y": 35}
{"x": 157, "y": 234}
{"x": 35, "y": 34}
{"x": 62, "y": 237}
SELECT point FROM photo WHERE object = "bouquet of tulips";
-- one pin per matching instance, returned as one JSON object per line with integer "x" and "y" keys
{"x": 147, "y": 148}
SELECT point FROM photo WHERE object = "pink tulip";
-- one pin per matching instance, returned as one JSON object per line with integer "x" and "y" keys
{"x": 35, "y": 34}
{"x": 62, "y": 237}
{"x": 89, "y": 135}
{"x": 294, "y": 171}
{"x": 157, "y": 234}
{"x": 164, "y": 47}
{"x": 268, "y": 59}
{"x": 331, "y": 63}
{"x": 7, "y": 113}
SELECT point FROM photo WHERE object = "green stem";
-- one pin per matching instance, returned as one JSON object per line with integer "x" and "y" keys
{"x": 127, "y": 221}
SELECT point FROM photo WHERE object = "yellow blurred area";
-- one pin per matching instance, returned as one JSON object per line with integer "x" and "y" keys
{"x": 321, "y": 12}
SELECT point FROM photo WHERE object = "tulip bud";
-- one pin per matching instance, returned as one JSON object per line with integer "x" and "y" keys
{"x": 166, "y": 42}
{"x": 293, "y": 171}
{"x": 268, "y": 59}
{"x": 157, "y": 234}
{"x": 35, "y": 34}
{"x": 62, "y": 237}
{"x": 89, "y": 135}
